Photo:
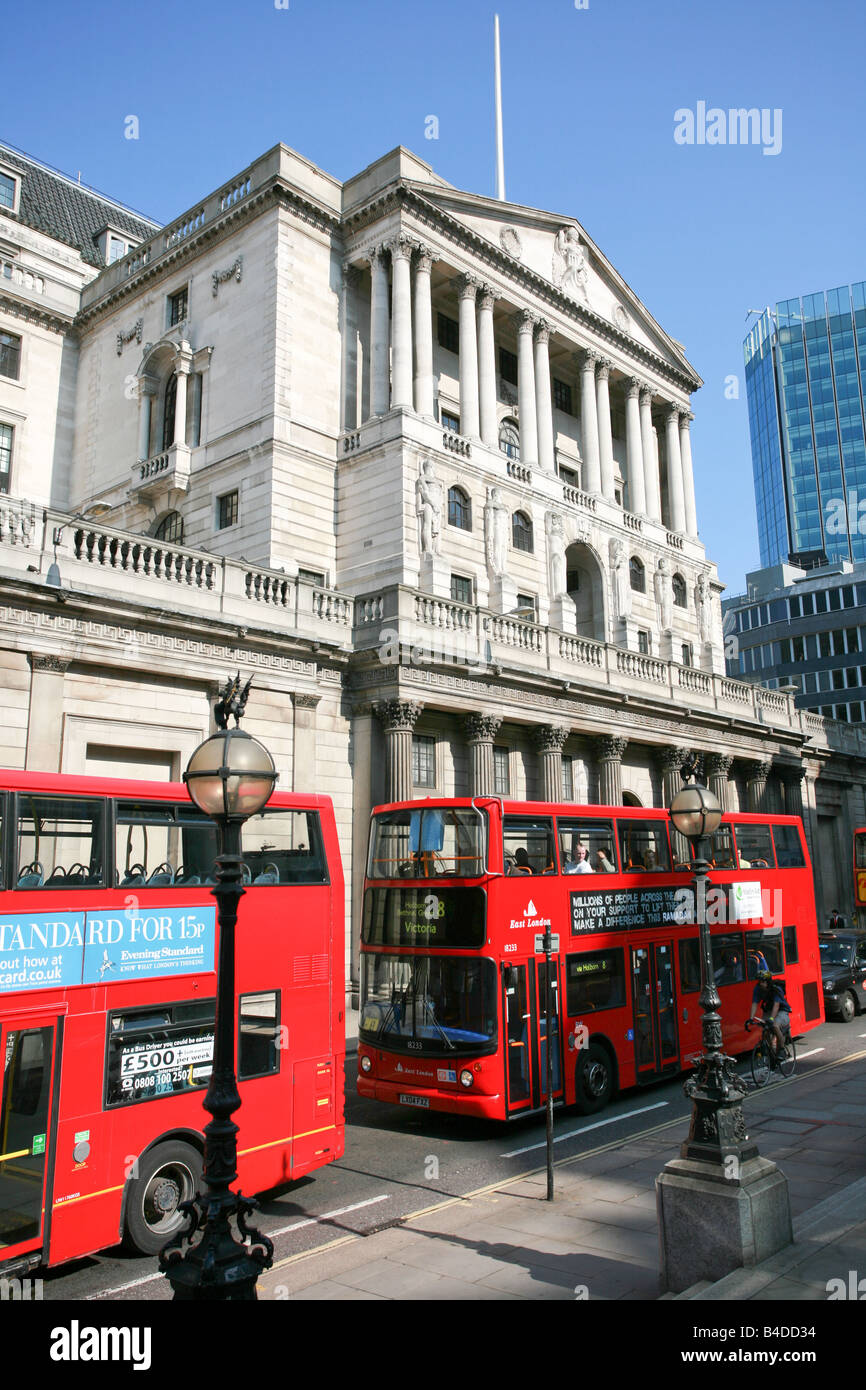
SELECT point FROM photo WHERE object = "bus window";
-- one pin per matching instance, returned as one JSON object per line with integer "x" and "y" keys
{"x": 528, "y": 845}
{"x": 643, "y": 847}
{"x": 159, "y": 1051}
{"x": 59, "y": 842}
{"x": 764, "y": 951}
{"x": 428, "y": 843}
{"x": 754, "y": 846}
{"x": 789, "y": 851}
{"x": 690, "y": 965}
{"x": 596, "y": 837}
{"x": 283, "y": 846}
{"x": 159, "y": 844}
{"x": 722, "y": 853}
{"x": 594, "y": 981}
{"x": 728, "y": 968}
{"x": 792, "y": 954}
{"x": 258, "y": 1033}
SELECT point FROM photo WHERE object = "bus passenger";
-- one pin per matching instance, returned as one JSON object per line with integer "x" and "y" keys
{"x": 580, "y": 864}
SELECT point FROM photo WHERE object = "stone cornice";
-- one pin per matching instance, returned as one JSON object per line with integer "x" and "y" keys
{"x": 33, "y": 313}
{"x": 399, "y": 197}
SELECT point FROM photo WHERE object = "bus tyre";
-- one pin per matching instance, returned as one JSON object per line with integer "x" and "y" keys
{"x": 593, "y": 1079}
{"x": 167, "y": 1175}
{"x": 847, "y": 1008}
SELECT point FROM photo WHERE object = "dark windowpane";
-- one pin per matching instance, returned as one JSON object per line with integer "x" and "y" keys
{"x": 227, "y": 510}
{"x": 170, "y": 529}
{"x": 594, "y": 981}
{"x": 448, "y": 333}
{"x": 461, "y": 589}
{"x": 177, "y": 306}
{"x": 459, "y": 509}
{"x": 521, "y": 532}
{"x": 258, "y": 1032}
{"x": 562, "y": 396}
{"x": 10, "y": 355}
{"x": 508, "y": 366}
{"x": 423, "y": 761}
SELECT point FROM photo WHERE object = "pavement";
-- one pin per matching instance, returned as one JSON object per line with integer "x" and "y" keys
{"x": 598, "y": 1239}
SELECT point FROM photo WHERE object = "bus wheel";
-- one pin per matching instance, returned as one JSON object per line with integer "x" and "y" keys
{"x": 168, "y": 1175}
{"x": 593, "y": 1079}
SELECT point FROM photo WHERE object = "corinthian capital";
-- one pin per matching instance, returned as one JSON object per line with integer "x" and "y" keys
{"x": 609, "y": 748}
{"x": 549, "y": 738}
{"x": 524, "y": 321}
{"x": 424, "y": 262}
{"x": 466, "y": 286}
{"x": 401, "y": 247}
{"x": 398, "y": 714}
{"x": 542, "y": 331}
{"x": 589, "y": 359}
{"x": 480, "y": 728}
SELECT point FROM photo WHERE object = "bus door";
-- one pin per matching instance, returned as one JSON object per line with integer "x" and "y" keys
{"x": 518, "y": 1013}
{"x": 656, "y": 1042}
{"x": 524, "y": 1009}
{"x": 28, "y": 1046}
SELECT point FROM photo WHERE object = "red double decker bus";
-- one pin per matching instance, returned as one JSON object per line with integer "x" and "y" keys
{"x": 108, "y": 940}
{"x": 860, "y": 877}
{"x": 458, "y": 895}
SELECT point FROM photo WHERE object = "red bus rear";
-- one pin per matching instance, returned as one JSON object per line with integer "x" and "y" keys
{"x": 108, "y": 942}
{"x": 860, "y": 877}
{"x": 457, "y": 897}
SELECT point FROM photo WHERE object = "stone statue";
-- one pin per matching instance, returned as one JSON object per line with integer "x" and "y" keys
{"x": 664, "y": 595}
{"x": 573, "y": 276}
{"x": 428, "y": 508}
{"x": 496, "y": 533}
{"x": 556, "y": 575}
{"x": 621, "y": 582}
{"x": 704, "y": 608}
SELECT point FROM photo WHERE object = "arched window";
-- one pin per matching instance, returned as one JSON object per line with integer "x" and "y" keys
{"x": 521, "y": 532}
{"x": 509, "y": 439}
{"x": 170, "y": 529}
{"x": 636, "y": 575}
{"x": 678, "y": 584}
{"x": 459, "y": 509}
{"x": 168, "y": 408}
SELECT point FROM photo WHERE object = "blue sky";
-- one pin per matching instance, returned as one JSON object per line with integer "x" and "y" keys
{"x": 701, "y": 232}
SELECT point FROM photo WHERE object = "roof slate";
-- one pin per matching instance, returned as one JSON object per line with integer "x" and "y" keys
{"x": 69, "y": 212}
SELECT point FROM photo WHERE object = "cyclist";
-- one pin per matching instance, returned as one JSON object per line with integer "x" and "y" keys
{"x": 769, "y": 995}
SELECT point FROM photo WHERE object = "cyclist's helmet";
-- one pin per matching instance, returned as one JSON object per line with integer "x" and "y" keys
{"x": 764, "y": 976}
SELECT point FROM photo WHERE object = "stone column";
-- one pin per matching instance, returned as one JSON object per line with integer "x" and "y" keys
{"x": 605, "y": 437}
{"x": 591, "y": 476}
{"x": 652, "y": 486}
{"x": 146, "y": 394}
{"x": 304, "y": 741}
{"x": 487, "y": 368}
{"x": 45, "y": 713}
{"x": 379, "y": 334}
{"x": 467, "y": 288}
{"x": 549, "y": 740}
{"x": 757, "y": 772}
{"x": 543, "y": 398}
{"x": 350, "y": 418}
{"x": 688, "y": 475}
{"x": 423, "y": 326}
{"x": 181, "y": 371}
{"x": 398, "y": 718}
{"x": 676, "y": 498}
{"x": 792, "y": 780}
{"x": 671, "y": 760}
{"x": 527, "y": 417}
{"x": 480, "y": 730}
{"x": 609, "y": 750}
{"x": 717, "y": 766}
{"x": 636, "y": 480}
{"x": 401, "y": 322}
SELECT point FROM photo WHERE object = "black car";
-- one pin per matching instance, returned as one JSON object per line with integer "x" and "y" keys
{"x": 843, "y": 968}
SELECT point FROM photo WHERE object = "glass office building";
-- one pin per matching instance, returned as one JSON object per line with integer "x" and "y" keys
{"x": 805, "y": 376}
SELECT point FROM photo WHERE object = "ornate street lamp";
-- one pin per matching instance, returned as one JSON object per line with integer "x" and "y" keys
{"x": 718, "y": 1128}
{"x": 230, "y": 777}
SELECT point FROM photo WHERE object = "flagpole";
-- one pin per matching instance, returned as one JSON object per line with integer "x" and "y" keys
{"x": 500, "y": 152}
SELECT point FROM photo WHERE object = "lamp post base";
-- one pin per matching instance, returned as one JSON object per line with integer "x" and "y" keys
{"x": 713, "y": 1220}
{"x": 218, "y": 1268}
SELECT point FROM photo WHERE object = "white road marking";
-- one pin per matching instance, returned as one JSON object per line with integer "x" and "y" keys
{"x": 801, "y": 1055}
{"x": 295, "y": 1226}
{"x": 573, "y": 1134}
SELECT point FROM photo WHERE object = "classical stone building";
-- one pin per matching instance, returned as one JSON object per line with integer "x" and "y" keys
{"x": 417, "y": 459}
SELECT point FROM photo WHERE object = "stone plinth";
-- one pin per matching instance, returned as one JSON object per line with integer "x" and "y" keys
{"x": 711, "y": 1223}
{"x": 435, "y": 576}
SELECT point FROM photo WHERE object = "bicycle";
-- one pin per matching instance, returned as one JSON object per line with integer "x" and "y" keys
{"x": 765, "y": 1059}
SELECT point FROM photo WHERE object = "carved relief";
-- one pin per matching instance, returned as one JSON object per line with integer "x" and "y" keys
{"x": 621, "y": 581}
{"x": 570, "y": 271}
{"x": 511, "y": 243}
{"x": 496, "y": 533}
{"x": 428, "y": 508}
{"x": 556, "y": 568}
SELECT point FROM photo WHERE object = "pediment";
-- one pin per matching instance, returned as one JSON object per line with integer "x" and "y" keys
{"x": 558, "y": 250}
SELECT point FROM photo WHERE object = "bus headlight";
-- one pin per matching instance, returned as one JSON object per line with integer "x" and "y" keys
{"x": 466, "y": 1079}
{"x": 366, "y": 1064}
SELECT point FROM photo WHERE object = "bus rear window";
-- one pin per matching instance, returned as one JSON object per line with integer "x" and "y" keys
{"x": 789, "y": 851}
{"x": 428, "y": 842}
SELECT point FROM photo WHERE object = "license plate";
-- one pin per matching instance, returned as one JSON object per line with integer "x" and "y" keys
{"x": 423, "y": 1101}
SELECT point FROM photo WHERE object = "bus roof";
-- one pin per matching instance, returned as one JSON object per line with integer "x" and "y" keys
{"x": 88, "y": 785}
{"x": 559, "y": 808}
